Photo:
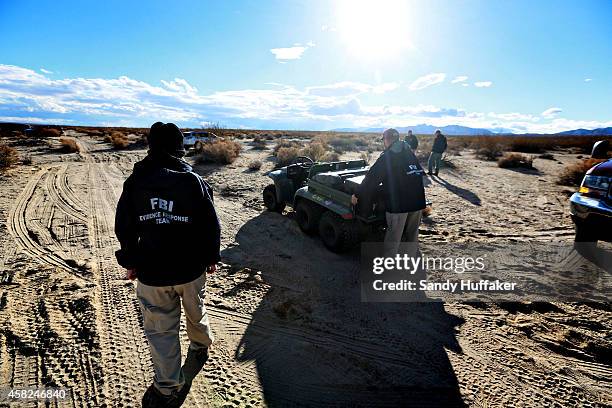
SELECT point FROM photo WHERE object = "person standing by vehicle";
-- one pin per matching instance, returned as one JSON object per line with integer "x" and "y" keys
{"x": 438, "y": 148}
{"x": 411, "y": 140}
{"x": 401, "y": 175}
{"x": 169, "y": 233}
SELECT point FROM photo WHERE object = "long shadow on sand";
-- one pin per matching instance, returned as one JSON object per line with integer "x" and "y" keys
{"x": 461, "y": 192}
{"x": 315, "y": 343}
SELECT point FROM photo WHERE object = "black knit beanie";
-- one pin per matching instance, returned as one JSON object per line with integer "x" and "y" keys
{"x": 167, "y": 138}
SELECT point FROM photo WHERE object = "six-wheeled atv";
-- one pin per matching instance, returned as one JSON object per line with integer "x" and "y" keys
{"x": 320, "y": 194}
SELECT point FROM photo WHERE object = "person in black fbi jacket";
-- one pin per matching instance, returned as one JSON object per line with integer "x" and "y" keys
{"x": 402, "y": 177}
{"x": 169, "y": 233}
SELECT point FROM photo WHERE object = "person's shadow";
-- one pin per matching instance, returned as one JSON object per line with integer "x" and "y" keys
{"x": 600, "y": 257}
{"x": 461, "y": 192}
{"x": 315, "y": 343}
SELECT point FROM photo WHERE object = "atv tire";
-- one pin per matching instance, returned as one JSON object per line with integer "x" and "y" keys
{"x": 308, "y": 215}
{"x": 270, "y": 200}
{"x": 337, "y": 234}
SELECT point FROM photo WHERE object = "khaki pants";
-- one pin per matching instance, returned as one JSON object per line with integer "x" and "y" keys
{"x": 161, "y": 310}
{"x": 434, "y": 162}
{"x": 398, "y": 225}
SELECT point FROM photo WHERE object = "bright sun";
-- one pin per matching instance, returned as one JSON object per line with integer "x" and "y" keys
{"x": 374, "y": 29}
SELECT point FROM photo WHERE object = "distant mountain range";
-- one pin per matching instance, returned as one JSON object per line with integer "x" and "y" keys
{"x": 468, "y": 131}
{"x": 425, "y": 129}
{"x": 588, "y": 132}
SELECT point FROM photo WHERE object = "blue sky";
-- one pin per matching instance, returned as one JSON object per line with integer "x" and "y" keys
{"x": 540, "y": 66}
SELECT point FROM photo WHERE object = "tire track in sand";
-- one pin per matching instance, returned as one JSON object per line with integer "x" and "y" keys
{"x": 61, "y": 195}
{"x": 27, "y": 237}
{"x": 126, "y": 358}
{"x": 49, "y": 344}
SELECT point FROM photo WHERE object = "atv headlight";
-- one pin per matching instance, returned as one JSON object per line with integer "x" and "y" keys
{"x": 595, "y": 185}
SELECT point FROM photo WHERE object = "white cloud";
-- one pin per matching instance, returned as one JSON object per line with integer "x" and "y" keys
{"x": 385, "y": 87}
{"x": 513, "y": 116}
{"x": 349, "y": 107}
{"x": 181, "y": 86}
{"x": 45, "y": 71}
{"x": 348, "y": 88}
{"x": 427, "y": 81}
{"x": 483, "y": 84}
{"x": 460, "y": 78}
{"x": 291, "y": 53}
{"x": 30, "y": 119}
{"x": 551, "y": 113}
{"x": 588, "y": 79}
{"x": 28, "y": 96}
{"x": 464, "y": 84}
{"x": 561, "y": 124}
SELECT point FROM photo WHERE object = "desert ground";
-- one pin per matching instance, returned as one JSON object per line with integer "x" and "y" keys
{"x": 289, "y": 324}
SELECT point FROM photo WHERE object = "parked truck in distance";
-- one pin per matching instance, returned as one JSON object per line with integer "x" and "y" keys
{"x": 197, "y": 138}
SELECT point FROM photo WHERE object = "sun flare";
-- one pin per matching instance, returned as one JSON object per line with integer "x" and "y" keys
{"x": 374, "y": 29}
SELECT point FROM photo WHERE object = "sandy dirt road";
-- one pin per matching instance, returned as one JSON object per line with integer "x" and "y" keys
{"x": 290, "y": 328}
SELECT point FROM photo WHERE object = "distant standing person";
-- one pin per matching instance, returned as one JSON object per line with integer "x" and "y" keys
{"x": 412, "y": 141}
{"x": 169, "y": 234}
{"x": 401, "y": 175}
{"x": 438, "y": 148}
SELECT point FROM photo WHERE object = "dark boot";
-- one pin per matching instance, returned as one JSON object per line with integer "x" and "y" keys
{"x": 201, "y": 355}
{"x": 153, "y": 398}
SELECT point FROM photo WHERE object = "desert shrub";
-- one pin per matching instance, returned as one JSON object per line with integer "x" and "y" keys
{"x": 69, "y": 145}
{"x": 8, "y": 156}
{"x": 259, "y": 143}
{"x": 331, "y": 157}
{"x": 48, "y": 132}
{"x": 527, "y": 145}
{"x": 286, "y": 155}
{"x": 214, "y": 126}
{"x": 573, "y": 174}
{"x": 348, "y": 143}
{"x": 255, "y": 165}
{"x": 456, "y": 143}
{"x": 93, "y": 132}
{"x": 220, "y": 151}
{"x": 118, "y": 140}
{"x": 141, "y": 141}
{"x": 19, "y": 139}
{"x": 315, "y": 150}
{"x": 27, "y": 160}
{"x": 367, "y": 156}
{"x": 515, "y": 160}
{"x": 489, "y": 149}
{"x": 534, "y": 143}
{"x": 547, "y": 156}
{"x": 283, "y": 144}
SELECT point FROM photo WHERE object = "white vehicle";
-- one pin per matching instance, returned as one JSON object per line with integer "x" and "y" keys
{"x": 197, "y": 138}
